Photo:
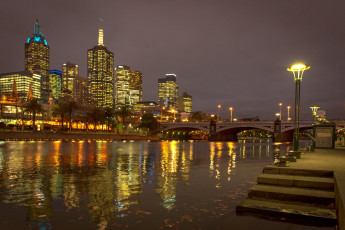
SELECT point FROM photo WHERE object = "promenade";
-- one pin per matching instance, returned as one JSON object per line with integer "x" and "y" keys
{"x": 317, "y": 177}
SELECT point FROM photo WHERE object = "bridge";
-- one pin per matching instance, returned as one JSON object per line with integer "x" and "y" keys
{"x": 229, "y": 130}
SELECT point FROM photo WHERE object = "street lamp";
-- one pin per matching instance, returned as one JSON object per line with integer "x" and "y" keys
{"x": 162, "y": 108}
{"x": 288, "y": 117}
{"x": 219, "y": 106}
{"x": 280, "y": 111}
{"x": 297, "y": 70}
{"x": 314, "y": 109}
{"x": 173, "y": 111}
{"x": 230, "y": 114}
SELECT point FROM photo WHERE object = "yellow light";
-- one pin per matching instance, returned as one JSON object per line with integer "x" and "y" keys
{"x": 280, "y": 104}
{"x": 230, "y": 108}
{"x": 298, "y": 67}
{"x": 289, "y": 107}
{"x": 219, "y": 106}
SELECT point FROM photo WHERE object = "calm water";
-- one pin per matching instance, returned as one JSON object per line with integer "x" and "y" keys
{"x": 131, "y": 185}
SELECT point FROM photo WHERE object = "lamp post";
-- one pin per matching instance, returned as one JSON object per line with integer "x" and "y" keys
{"x": 314, "y": 109}
{"x": 219, "y": 106}
{"x": 280, "y": 111}
{"x": 173, "y": 111}
{"x": 230, "y": 114}
{"x": 288, "y": 117}
{"x": 297, "y": 70}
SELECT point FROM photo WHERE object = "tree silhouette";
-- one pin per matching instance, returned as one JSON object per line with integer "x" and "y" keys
{"x": 33, "y": 107}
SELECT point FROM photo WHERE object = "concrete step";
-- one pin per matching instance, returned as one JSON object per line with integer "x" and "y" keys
{"x": 292, "y": 212}
{"x": 297, "y": 181}
{"x": 271, "y": 169}
{"x": 311, "y": 196}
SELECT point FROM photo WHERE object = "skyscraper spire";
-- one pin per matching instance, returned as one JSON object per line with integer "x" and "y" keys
{"x": 37, "y": 30}
{"x": 100, "y": 33}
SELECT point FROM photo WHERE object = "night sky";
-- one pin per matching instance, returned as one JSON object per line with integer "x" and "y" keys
{"x": 233, "y": 53}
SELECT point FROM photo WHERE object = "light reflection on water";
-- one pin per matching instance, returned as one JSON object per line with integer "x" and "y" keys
{"x": 130, "y": 185}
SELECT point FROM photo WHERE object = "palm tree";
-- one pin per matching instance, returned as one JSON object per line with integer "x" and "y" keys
{"x": 123, "y": 112}
{"x": 60, "y": 110}
{"x": 33, "y": 107}
{"x": 70, "y": 107}
{"x": 96, "y": 115}
{"x": 108, "y": 114}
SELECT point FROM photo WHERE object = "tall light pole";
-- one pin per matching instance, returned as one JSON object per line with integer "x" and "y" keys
{"x": 230, "y": 114}
{"x": 162, "y": 108}
{"x": 314, "y": 109}
{"x": 297, "y": 70}
{"x": 280, "y": 111}
{"x": 288, "y": 117}
{"x": 219, "y": 106}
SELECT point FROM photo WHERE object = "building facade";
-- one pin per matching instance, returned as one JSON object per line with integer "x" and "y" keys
{"x": 55, "y": 81}
{"x": 185, "y": 103}
{"x": 37, "y": 60}
{"x": 100, "y": 74}
{"x": 168, "y": 91}
{"x": 128, "y": 87}
{"x": 27, "y": 84}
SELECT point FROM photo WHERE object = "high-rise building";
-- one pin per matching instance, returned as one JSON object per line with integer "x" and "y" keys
{"x": 26, "y": 83}
{"x": 135, "y": 87}
{"x": 185, "y": 103}
{"x": 128, "y": 86}
{"x": 100, "y": 73}
{"x": 72, "y": 84}
{"x": 55, "y": 80}
{"x": 37, "y": 60}
{"x": 168, "y": 91}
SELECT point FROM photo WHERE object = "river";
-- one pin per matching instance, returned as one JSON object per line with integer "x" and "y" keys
{"x": 131, "y": 185}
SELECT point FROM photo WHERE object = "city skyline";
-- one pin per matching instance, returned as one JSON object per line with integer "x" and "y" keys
{"x": 229, "y": 53}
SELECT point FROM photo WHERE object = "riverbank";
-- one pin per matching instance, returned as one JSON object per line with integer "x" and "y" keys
{"x": 297, "y": 180}
{"x": 69, "y": 136}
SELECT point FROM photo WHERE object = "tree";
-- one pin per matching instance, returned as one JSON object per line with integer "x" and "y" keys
{"x": 148, "y": 121}
{"x": 33, "y": 107}
{"x": 123, "y": 112}
{"x": 96, "y": 115}
{"x": 108, "y": 114}
{"x": 60, "y": 110}
{"x": 196, "y": 116}
{"x": 70, "y": 107}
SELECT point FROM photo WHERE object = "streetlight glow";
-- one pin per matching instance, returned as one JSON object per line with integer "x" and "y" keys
{"x": 298, "y": 70}
{"x": 219, "y": 106}
{"x": 280, "y": 112}
{"x": 230, "y": 114}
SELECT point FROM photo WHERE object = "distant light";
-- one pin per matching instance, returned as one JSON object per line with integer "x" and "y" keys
{"x": 28, "y": 40}
{"x": 45, "y": 42}
{"x": 120, "y": 66}
{"x": 299, "y": 66}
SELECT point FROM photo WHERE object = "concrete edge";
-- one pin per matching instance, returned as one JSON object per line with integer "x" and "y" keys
{"x": 339, "y": 189}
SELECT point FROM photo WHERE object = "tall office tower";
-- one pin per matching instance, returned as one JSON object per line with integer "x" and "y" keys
{"x": 37, "y": 60}
{"x": 25, "y": 82}
{"x": 100, "y": 73}
{"x": 135, "y": 87}
{"x": 122, "y": 77}
{"x": 69, "y": 72}
{"x": 55, "y": 81}
{"x": 168, "y": 91}
{"x": 128, "y": 86}
{"x": 185, "y": 103}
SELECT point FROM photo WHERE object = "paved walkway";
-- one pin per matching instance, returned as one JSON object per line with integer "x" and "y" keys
{"x": 322, "y": 159}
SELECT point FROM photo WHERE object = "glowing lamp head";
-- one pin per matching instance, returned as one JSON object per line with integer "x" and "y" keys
{"x": 314, "y": 109}
{"x": 230, "y": 108}
{"x": 298, "y": 70}
{"x": 219, "y": 106}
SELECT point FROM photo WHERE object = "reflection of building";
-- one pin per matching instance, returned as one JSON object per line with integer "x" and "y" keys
{"x": 24, "y": 81}
{"x": 37, "y": 60}
{"x": 168, "y": 91}
{"x": 185, "y": 103}
{"x": 55, "y": 81}
{"x": 100, "y": 72}
{"x": 128, "y": 86}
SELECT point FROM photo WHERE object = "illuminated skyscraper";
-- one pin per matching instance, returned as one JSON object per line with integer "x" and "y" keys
{"x": 100, "y": 73}
{"x": 24, "y": 81}
{"x": 37, "y": 60}
{"x": 55, "y": 80}
{"x": 185, "y": 103}
{"x": 128, "y": 86}
{"x": 72, "y": 84}
{"x": 69, "y": 72}
{"x": 168, "y": 91}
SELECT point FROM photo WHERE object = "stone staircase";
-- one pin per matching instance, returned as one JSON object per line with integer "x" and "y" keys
{"x": 296, "y": 195}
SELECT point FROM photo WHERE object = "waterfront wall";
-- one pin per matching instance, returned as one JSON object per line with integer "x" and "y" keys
{"x": 339, "y": 189}
{"x": 71, "y": 136}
